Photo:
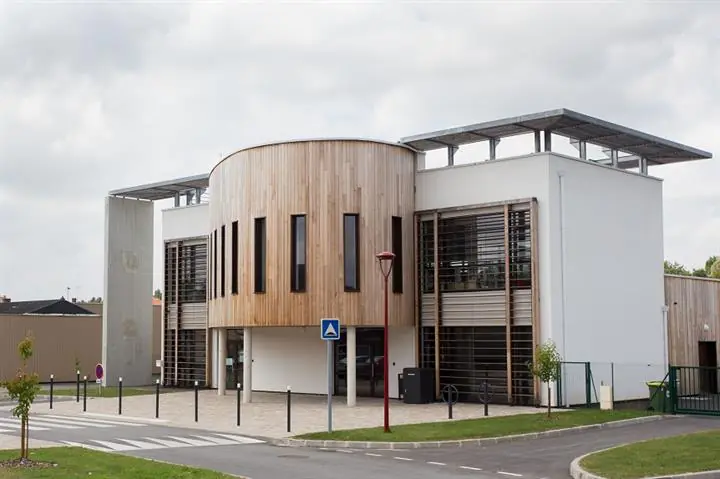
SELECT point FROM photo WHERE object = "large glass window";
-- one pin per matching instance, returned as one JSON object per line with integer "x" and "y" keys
{"x": 298, "y": 251}
{"x": 351, "y": 251}
{"x": 222, "y": 261}
{"x": 397, "y": 247}
{"x": 260, "y": 255}
{"x": 234, "y": 258}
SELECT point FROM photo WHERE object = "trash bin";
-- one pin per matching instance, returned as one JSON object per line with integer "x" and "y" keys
{"x": 658, "y": 396}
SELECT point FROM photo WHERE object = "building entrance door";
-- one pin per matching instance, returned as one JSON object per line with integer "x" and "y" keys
{"x": 368, "y": 363}
{"x": 234, "y": 360}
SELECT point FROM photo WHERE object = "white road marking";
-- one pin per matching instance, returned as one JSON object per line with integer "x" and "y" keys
{"x": 344, "y": 451}
{"x": 437, "y": 463}
{"x": 168, "y": 443}
{"x": 15, "y": 424}
{"x": 219, "y": 441}
{"x": 373, "y": 454}
{"x": 402, "y": 458}
{"x": 240, "y": 439}
{"x": 113, "y": 445}
{"x": 60, "y": 422}
{"x": 142, "y": 444}
{"x": 470, "y": 468}
{"x": 509, "y": 474}
{"x": 94, "y": 421}
{"x": 86, "y": 446}
{"x": 4, "y": 430}
{"x": 193, "y": 442}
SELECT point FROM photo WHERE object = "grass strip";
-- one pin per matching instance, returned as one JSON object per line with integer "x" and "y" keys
{"x": 688, "y": 453}
{"x": 479, "y": 428}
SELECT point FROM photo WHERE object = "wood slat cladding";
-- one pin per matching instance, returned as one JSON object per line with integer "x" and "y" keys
{"x": 323, "y": 179}
{"x": 692, "y": 303}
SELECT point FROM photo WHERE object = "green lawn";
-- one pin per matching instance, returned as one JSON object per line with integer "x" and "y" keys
{"x": 658, "y": 457}
{"x": 77, "y": 462}
{"x": 480, "y": 428}
{"x": 107, "y": 392}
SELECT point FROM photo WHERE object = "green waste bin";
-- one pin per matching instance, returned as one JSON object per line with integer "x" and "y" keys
{"x": 658, "y": 396}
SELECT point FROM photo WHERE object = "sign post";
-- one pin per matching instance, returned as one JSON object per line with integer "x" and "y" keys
{"x": 99, "y": 375}
{"x": 329, "y": 332}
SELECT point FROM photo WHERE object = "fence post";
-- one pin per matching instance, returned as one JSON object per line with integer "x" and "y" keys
{"x": 588, "y": 389}
{"x": 238, "y": 404}
{"x": 558, "y": 388}
{"x": 673, "y": 389}
{"x": 289, "y": 399}
{"x": 120, "y": 396}
{"x": 157, "y": 398}
{"x": 52, "y": 381}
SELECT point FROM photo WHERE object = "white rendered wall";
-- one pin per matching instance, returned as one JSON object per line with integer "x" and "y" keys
{"x": 611, "y": 270}
{"x": 127, "y": 338}
{"x": 297, "y": 357}
{"x": 186, "y": 222}
{"x": 613, "y": 259}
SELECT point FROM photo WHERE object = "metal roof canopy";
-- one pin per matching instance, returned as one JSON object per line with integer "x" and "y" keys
{"x": 565, "y": 123}
{"x": 164, "y": 189}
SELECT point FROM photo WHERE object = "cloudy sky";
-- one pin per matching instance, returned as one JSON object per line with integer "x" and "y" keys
{"x": 95, "y": 97}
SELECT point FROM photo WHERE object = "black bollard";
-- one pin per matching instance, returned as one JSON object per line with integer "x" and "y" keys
{"x": 52, "y": 381}
{"x": 289, "y": 400}
{"x": 196, "y": 401}
{"x": 449, "y": 409}
{"x": 84, "y": 393}
{"x": 238, "y": 404}
{"x": 77, "y": 386}
{"x": 157, "y": 398}
{"x": 120, "y": 396}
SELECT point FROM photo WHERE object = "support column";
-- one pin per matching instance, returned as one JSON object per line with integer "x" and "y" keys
{"x": 351, "y": 369}
{"x": 537, "y": 141}
{"x": 222, "y": 354}
{"x": 247, "y": 365}
{"x": 548, "y": 140}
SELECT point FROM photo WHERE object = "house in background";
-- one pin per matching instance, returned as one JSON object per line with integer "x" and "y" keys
{"x": 66, "y": 334}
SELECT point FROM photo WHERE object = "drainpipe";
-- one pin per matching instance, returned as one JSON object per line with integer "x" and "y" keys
{"x": 561, "y": 194}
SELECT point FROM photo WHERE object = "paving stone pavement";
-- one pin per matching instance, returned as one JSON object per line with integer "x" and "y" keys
{"x": 13, "y": 442}
{"x": 266, "y": 416}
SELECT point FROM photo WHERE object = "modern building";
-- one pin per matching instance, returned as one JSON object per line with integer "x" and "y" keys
{"x": 492, "y": 258}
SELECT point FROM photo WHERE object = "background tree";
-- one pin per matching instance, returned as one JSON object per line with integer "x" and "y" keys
{"x": 546, "y": 366}
{"x": 672, "y": 267}
{"x": 23, "y": 388}
{"x": 157, "y": 294}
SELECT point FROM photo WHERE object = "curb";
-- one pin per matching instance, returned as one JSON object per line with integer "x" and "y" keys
{"x": 577, "y": 472}
{"x": 289, "y": 442}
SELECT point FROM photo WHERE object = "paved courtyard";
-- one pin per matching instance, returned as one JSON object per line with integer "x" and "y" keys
{"x": 266, "y": 415}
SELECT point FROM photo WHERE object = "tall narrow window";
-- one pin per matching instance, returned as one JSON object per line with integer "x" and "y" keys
{"x": 215, "y": 264}
{"x": 222, "y": 261}
{"x": 351, "y": 252}
{"x": 298, "y": 253}
{"x": 259, "y": 255}
{"x": 397, "y": 243}
{"x": 234, "y": 258}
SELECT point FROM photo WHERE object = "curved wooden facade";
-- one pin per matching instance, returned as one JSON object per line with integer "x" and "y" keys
{"x": 324, "y": 180}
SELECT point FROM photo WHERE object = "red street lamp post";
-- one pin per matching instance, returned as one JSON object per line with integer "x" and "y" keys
{"x": 386, "y": 258}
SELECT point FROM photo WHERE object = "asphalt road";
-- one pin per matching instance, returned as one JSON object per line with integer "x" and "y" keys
{"x": 250, "y": 457}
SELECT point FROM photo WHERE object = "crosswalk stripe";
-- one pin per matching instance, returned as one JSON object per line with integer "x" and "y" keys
{"x": 96, "y": 421}
{"x": 16, "y": 425}
{"x": 168, "y": 443}
{"x": 193, "y": 442}
{"x": 4, "y": 430}
{"x": 216, "y": 440}
{"x": 54, "y": 422}
{"x": 142, "y": 444}
{"x": 86, "y": 446}
{"x": 113, "y": 445}
{"x": 242, "y": 439}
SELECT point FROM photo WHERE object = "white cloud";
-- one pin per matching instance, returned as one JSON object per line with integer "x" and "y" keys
{"x": 95, "y": 97}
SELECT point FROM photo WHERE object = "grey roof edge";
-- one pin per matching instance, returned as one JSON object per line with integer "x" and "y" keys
{"x": 558, "y": 112}
{"x": 205, "y": 177}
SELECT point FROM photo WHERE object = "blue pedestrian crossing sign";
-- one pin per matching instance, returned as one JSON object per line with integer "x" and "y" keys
{"x": 330, "y": 329}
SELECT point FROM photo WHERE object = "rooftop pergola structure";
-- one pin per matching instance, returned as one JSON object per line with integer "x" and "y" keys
{"x": 640, "y": 149}
{"x": 129, "y": 244}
